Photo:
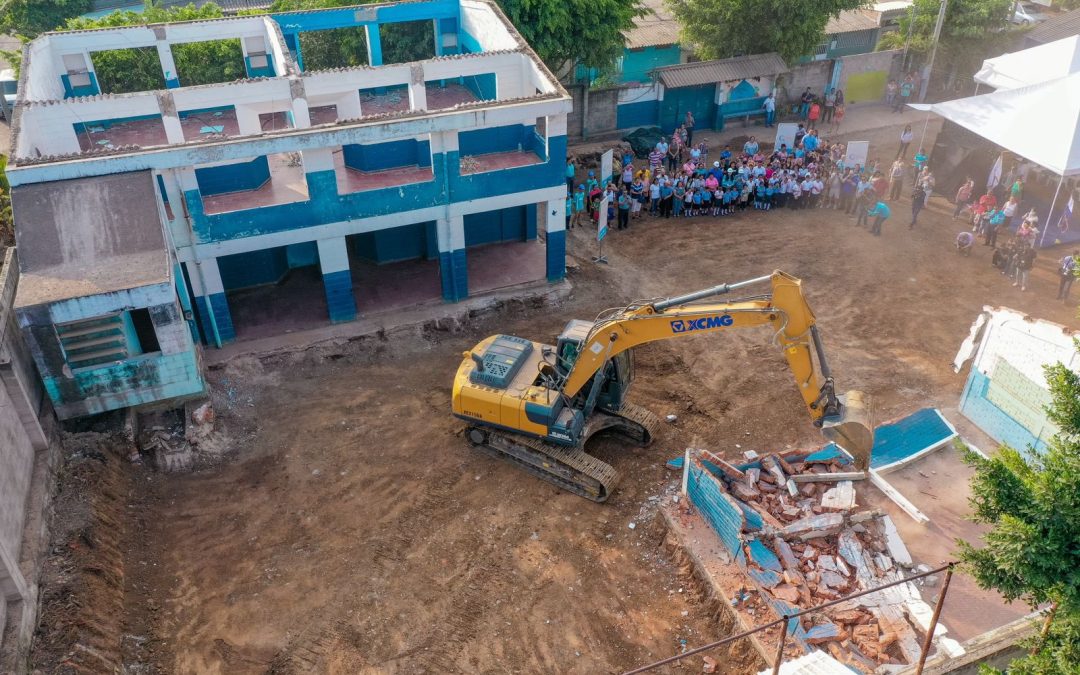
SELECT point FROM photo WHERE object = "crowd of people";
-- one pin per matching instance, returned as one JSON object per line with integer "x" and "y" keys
{"x": 681, "y": 180}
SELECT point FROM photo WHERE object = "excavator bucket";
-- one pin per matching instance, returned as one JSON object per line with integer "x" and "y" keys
{"x": 854, "y": 429}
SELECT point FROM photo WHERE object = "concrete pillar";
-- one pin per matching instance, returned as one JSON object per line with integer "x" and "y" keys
{"x": 417, "y": 89}
{"x": 319, "y": 174}
{"x": 554, "y": 215}
{"x": 247, "y": 119}
{"x": 337, "y": 279}
{"x": 168, "y": 65}
{"x": 452, "y": 262}
{"x": 170, "y": 119}
{"x": 300, "y": 114}
{"x": 210, "y": 301}
{"x": 374, "y": 45}
{"x": 348, "y": 106}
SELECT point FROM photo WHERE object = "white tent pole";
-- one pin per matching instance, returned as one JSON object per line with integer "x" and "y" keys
{"x": 922, "y": 141}
{"x": 1053, "y": 203}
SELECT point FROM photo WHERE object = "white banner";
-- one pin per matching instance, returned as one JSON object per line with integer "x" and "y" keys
{"x": 601, "y": 224}
{"x": 785, "y": 135}
{"x": 606, "y": 173}
{"x": 857, "y": 151}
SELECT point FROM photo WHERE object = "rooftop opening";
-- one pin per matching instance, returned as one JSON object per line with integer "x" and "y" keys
{"x": 407, "y": 41}
{"x": 210, "y": 62}
{"x": 334, "y": 48}
{"x": 123, "y": 71}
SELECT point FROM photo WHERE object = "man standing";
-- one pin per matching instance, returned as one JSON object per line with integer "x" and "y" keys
{"x": 1024, "y": 262}
{"x": 896, "y": 179}
{"x": 906, "y": 90}
{"x": 804, "y": 103}
{"x": 830, "y": 105}
{"x": 1067, "y": 272}
{"x": 571, "y": 169}
{"x": 917, "y": 203}
{"x": 770, "y": 108}
{"x": 689, "y": 124}
{"x": 624, "y": 210}
{"x": 881, "y": 213}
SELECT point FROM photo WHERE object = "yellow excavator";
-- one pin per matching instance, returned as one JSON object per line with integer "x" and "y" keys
{"x": 536, "y": 405}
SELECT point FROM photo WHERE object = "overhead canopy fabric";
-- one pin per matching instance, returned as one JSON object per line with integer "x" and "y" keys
{"x": 1040, "y": 122}
{"x": 1046, "y": 62}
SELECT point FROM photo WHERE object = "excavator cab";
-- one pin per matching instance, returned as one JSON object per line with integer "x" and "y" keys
{"x": 617, "y": 374}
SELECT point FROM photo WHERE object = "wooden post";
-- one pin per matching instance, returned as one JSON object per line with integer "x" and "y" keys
{"x": 933, "y": 620}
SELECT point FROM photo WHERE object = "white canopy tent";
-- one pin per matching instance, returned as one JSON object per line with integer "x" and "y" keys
{"x": 1040, "y": 122}
{"x": 1043, "y": 63}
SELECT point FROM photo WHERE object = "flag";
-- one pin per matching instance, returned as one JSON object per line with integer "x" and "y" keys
{"x": 995, "y": 174}
{"x": 1066, "y": 216}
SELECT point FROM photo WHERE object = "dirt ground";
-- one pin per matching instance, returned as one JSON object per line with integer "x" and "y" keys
{"x": 353, "y": 530}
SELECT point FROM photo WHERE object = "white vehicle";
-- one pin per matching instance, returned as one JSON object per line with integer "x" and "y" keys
{"x": 1027, "y": 13}
{"x": 9, "y": 84}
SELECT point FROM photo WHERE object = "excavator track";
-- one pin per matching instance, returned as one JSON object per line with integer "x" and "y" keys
{"x": 572, "y": 469}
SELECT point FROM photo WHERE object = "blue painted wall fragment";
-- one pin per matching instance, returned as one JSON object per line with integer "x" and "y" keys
{"x": 993, "y": 420}
{"x": 225, "y": 178}
{"x": 379, "y": 156}
{"x": 340, "y": 301}
{"x": 256, "y": 268}
{"x": 556, "y": 255}
{"x": 761, "y": 555}
{"x": 71, "y": 91}
{"x": 407, "y": 242}
{"x": 219, "y": 305}
{"x": 454, "y": 274}
{"x": 723, "y": 515}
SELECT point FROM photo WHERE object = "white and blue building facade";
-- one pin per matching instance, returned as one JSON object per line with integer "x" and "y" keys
{"x": 295, "y": 168}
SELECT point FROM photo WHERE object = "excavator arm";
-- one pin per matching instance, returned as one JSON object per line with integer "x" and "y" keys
{"x": 844, "y": 420}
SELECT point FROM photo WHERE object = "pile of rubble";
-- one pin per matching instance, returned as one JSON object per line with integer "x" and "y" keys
{"x": 803, "y": 541}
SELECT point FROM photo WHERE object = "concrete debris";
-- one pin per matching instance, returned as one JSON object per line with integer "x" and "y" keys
{"x": 839, "y": 498}
{"x": 895, "y": 544}
{"x": 708, "y": 664}
{"x": 809, "y": 545}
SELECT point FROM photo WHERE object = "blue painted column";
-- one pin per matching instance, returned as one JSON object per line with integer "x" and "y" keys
{"x": 210, "y": 302}
{"x": 337, "y": 279}
{"x": 555, "y": 227}
{"x": 374, "y": 45}
{"x": 453, "y": 268}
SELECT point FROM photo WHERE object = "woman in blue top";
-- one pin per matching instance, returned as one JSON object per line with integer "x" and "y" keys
{"x": 680, "y": 193}
{"x": 571, "y": 169}
{"x": 579, "y": 204}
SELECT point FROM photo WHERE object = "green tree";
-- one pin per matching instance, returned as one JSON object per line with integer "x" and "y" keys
{"x": 127, "y": 70}
{"x": 7, "y": 225}
{"x": 722, "y": 28}
{"x": 973, "y": 30}
{"x": 565, "y": 32}
{"x": 31, "y": 17}
{"x": 1032, "y": 550}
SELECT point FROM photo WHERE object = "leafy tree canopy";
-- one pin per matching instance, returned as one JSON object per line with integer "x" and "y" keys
{"x": 31, "y": 17}
{"x": 1032, "y": 505}
{"x": 563, "y": 32}
{"x": 723, "y": 28}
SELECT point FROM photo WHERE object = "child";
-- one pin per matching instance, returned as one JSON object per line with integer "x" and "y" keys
{"x": 569, "y": 210}
{"x": 579, "y": 204}
{"x": 770, "y": 188}
{"x": 706, "y": 200}
{"x": 964, "y": 241}
{"x": 744, "y": 197}
{"x": 696, "y": 209}
{"x": 717, "y": 200}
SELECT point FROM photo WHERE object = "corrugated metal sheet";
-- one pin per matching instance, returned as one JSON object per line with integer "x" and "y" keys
{"x": 1057, "y": 27}
{"x": 723, "y": 70}
{"x": 656, "y": 28}
{"x": 851, "y": 21}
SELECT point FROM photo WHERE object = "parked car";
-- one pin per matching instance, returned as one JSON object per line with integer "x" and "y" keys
{"x": 1027, "y": 13}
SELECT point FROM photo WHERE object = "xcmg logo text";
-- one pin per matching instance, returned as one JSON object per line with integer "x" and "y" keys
{"x": 705, "y": 322}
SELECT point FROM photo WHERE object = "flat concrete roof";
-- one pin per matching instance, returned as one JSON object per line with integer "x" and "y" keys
{"x": 88, "y": 236}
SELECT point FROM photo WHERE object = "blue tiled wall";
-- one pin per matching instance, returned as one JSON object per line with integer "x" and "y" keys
{"x": 556, "y": 255}
{"x": 255, "y": 268}
{"x": 220, "y": 306}
{"x": 215, "y": 180}
{"x": 454, "y": 274}
{"x": 378, "y": 156}
{"x": 339, "y": 296}
{"x": 993, "y": 420}
{"x": 407, "y": 242}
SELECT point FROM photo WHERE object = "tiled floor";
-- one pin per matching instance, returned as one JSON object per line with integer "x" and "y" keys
{"x": 397, "y": 99}
{"x": 299, "y": 302}
{"x": 352, "y": 180}
{"x": 494, "y": 161}
{"x": 150, "y": 133}
{"x": 286, "y": 185}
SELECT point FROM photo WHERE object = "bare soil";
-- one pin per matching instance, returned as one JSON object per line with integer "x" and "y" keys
{"x": 355, "y": 531}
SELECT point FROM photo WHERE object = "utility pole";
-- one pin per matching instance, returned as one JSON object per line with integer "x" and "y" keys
{"x": 929, "y": 68}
